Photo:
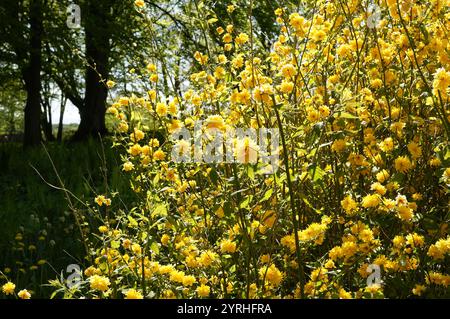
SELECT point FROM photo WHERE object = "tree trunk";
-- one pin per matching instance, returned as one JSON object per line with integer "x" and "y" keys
{"x": 98, "y": 47}
{"x": 47, "y": 123}
{"x": 32, "y": 78}
{"x": 61, "y": 117}
{"x": 47, "y": 126}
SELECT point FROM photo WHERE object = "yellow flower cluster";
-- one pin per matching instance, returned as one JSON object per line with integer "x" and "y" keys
{"x": 363, "y": 160}
{"x": 439, "y": 249}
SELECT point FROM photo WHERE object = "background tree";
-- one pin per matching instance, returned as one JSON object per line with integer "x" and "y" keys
{"x": 21, "y": 30}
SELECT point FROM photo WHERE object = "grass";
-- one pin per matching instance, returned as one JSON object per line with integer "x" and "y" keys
{"x": 33, "y": 213}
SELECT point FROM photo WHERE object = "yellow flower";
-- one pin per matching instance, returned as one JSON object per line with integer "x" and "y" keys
{"x": 227, "y": 38}
{"x": 219, "y": 212}
{"x": 8, "y": 288}
{"x": 272, "y": 274}
{"x": 228, "y": 246}
{"x": 382, "y": 176}
{"x": 230, "y": 8}
{"x": 230, "y": 287}
{"x": 246, "y": 151}
{"x": 338, "y": 145}
{"x": 139, "y": 3}
{"x": 102, "y": 200}
{"x": 136, "y": 248}
{"x": 165, "y": 239}
{"x": 278, "y": 12}
{"x": 329, "y": 264}
{"x": 288, "y": 70}
{"x": 222, "y": 59}
{"x": 402, "y": 164}
{"x": 238, "y": 61}
{"x": 103, "y": 229}
{"x": 99, "y": 283}
{"x": 201, "y": 58}
{"x": 110, "y": 84}
{"x": 124, "y": 101}
{"x": 313, "y": 115}
{"x": 289, "y": 242}
{"x": 174, "y": 126}
{"x": 349, "y": 204}
{"x": 207, "y": 258}
{"x": 377, "y": 187}
{"x": 203, "y": 290}
{"x": 418, "y": 290}
{"x": 371, "y": 201}
{"x": 405, "y": 213}
{"x": 439, "y": 249}
{"x": 446, "y": 175}
{"x": 215, "y": 122}
{"x": 441, "y": 82}
{"x": 415, "y": 150}
{"x": 135, "y": 150}
{"x": 154, "y": 78}
{"x": 298, "y": 23}
{"x": 24, "y": 294}
{"x": 241, "y": 38}
{"x": 161, "y": 109}
{"x": 376, "y": 83}
{"x": 128, "y": 166}
{"x": 387, "y": 145}
{"x": 220, "y": 30}
{"x": 286, "y": 86}
{"x": 435, "y": 161}
{"x": 137, "y": 135}
{"x": 344, "y": 294}
{"x": 314, "y": 232}
{"x": 189, "y": 281}
{"x": 159, "y": 155}
{"x": 349, "y": 249}
{"x": 133, "y": 294}
{"x": 112, "y": 110}
{"x": 122, "y": 127}
{"x": 372, "y": 288}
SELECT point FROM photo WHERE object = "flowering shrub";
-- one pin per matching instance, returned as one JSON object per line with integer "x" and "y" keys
{"x": 361, "y": 181}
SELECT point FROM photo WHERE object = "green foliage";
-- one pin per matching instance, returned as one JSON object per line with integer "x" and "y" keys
{"x": 40, "y": 214}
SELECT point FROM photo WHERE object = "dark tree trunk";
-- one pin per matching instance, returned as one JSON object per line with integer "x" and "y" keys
{"x": 47, "y": 127}
{"x": 98, "y": 47}
{"x": 32, "y": 78}
{"x": 47, "y": 123}
{"x": 61, "y": 118}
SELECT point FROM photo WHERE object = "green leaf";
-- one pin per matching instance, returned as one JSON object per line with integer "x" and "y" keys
{"x": 115, "y": 244}
{"x": 250, "y": 172}
{"x": 346, "y": 115}
{"x": 447, "y": 155}
{"x": 156, "y": 179}
{"x": 132, "y": 222}
{"x": 267, "y": 195}
{"x": 246, "y": 202}
{"x": 154, "y": 247}
{"x": 160, "y": 210}
{"x": 316, "y": 173}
